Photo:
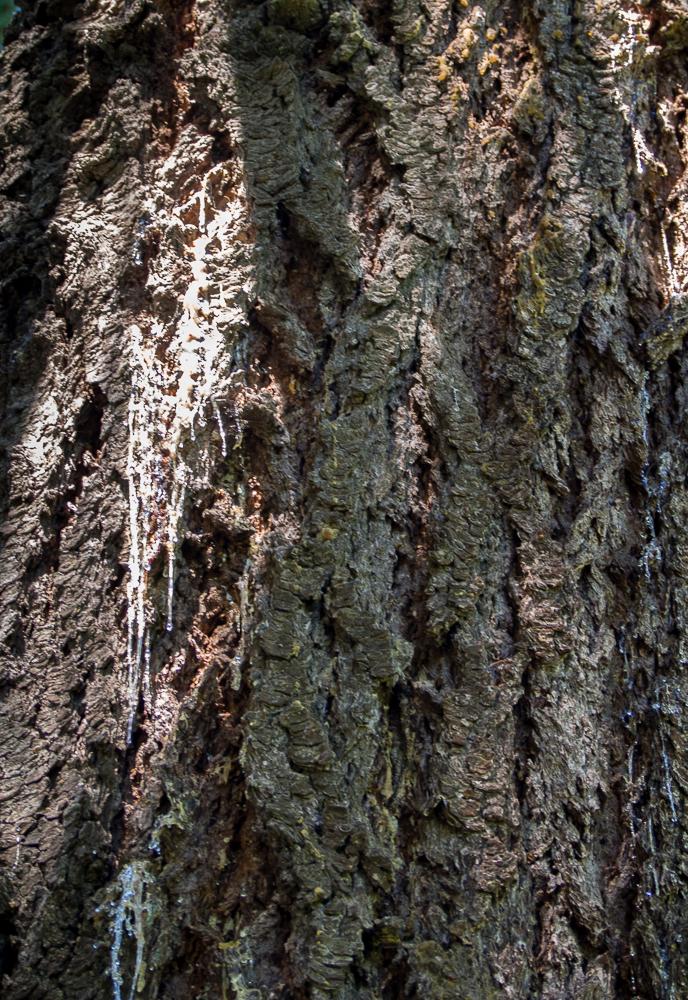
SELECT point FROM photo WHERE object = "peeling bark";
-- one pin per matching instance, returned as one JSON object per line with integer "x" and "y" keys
{"x": 344, "y": 501}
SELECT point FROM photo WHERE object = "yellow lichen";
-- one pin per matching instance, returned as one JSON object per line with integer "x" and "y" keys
{"x": 538, "y": 284}
{"x": 530, "y": 107}
{"x": 459, "y": 94}
{"x": 444, "y": 70}
{"x": 411, "y": 33}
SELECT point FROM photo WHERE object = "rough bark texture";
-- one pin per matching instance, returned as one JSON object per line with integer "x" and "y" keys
{"x": 356, "y": 329}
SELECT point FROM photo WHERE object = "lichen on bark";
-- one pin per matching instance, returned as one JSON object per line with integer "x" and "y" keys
{"x": 343, "y": 430}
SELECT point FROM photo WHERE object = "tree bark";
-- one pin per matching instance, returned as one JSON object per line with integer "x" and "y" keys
{"x": 345, "y": 500}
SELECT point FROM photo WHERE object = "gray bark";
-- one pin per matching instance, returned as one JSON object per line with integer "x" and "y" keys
{"x": 344, "y": 501}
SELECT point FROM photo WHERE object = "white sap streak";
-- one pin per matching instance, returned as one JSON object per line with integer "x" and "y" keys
{"x": 136, "y": 909}
{"x": 625, "y": 97}
{"x": 147, "y": 673}
{"x": 134, "y": 583}
{"x": 243, "y": 628}
{"x": 668, "y": 264}
{"x": 622, "y": 54}
{"x": 220, "y": 427}
{"x": 630, "y": 788}
{"x": 171, "y": 391}
{"x": 176, "y": 509}
{"x": 643, "y": 153}
{"x": 667, "y": 772}
{"x": 129, "y": 918}
{"x": 142, "y": 473}
{"x": 638, "y": 145}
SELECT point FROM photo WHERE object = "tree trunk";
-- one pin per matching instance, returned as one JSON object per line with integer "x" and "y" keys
{"x": 345, "y": 500}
